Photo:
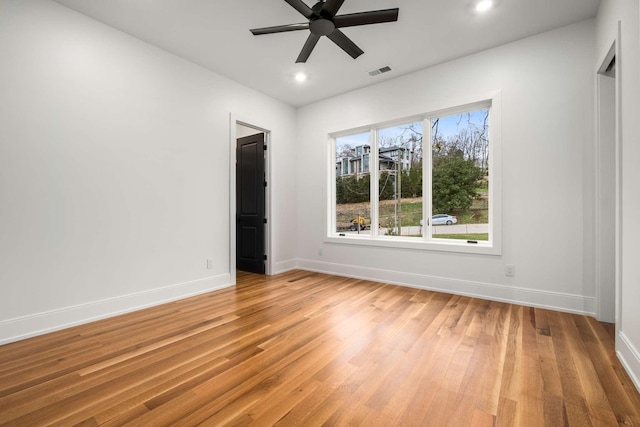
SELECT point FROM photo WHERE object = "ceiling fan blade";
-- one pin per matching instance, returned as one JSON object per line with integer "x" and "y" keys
{"x": 366, "y": 18}
{"x": 332, "y": 6}
{"x": 301, "y": 7}
{"x": 311, "y": 42}
{"x": 280, "y": 29}
{"x": 345, "y": 43}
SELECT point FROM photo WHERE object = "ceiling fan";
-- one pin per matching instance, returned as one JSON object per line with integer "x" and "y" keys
{"x": 323, "y": 21}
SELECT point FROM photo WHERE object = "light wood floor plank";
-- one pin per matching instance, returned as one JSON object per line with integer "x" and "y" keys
{"x": 306, "y": 349}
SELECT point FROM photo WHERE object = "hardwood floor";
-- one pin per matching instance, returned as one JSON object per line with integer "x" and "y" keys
{"x": 310, "y": 349}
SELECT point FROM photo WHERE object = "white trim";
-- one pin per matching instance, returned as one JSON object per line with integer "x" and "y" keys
{"x": 328, "y": 191}
{"x": 427, "y": 176}
{"x": 435, "y": 244}
{"x": 619, "y": 153}
{"x": 41, "y": 323}
{"x": 268, "y": 211}
{"x": 629, "y": 357}
{"x": 495, "y": 173}
{"x": 284, "y": 266}
{"x": 605, "y": 289}
{"x": 374, "y": 187}
{"x": 570, "y": 303}
{"x": 232, "y": 198}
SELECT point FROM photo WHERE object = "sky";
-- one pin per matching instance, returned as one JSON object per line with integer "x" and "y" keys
{"x": 448, "y": 125}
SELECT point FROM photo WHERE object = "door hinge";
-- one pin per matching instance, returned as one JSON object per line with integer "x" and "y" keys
{"x": 264, "y": 220}
{"x": 265, "y": 147}
{"x": 264, "y": 257}
{"x": 265, "y": 183}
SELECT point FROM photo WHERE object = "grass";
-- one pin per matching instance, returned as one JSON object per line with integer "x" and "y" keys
{"x": 470, "y": 236}
{"x": 473, "y": 216}
{"x": 410, "y": 213}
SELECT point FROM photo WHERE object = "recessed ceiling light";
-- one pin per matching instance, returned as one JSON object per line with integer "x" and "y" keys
{"x": 300, "y": 77}
{"x": 484, "y": 5}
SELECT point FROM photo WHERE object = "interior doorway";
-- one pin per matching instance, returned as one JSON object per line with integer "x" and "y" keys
{"x": 250, "y": 196}
{"x": 607, "y": 198}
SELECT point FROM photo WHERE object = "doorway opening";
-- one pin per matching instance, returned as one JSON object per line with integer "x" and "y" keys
{"x": 607, "y": 199}
{"x": 249, "y": 199}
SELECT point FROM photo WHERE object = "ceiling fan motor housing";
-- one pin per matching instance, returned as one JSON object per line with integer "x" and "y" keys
{"x": 322, "y": 26}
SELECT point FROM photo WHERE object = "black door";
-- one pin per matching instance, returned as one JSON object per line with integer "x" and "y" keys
{"x": 250, "y": 199}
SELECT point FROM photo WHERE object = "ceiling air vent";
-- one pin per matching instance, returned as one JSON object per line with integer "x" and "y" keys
{"x": 380, "y": 71}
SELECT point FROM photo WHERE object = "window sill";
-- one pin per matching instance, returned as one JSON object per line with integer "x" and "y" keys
{"x": 438, "y": 245}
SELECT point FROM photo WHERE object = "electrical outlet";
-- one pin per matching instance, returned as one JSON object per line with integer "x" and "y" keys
{"x": 510, "y": 270}
{"x": 320, "y": 252}
{"x": 209, "y": 263}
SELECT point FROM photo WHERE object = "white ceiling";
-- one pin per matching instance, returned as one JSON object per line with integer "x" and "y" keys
{"x": 215, "y": 34}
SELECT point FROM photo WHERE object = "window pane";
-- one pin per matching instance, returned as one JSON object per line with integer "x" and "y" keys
{"x": 352, "y": 184}
{"x": 400, "y": 180}
{"x": 460, "y": 176}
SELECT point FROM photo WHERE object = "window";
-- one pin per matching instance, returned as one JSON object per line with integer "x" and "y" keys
{"x": 400, "y": 185}
{"x": 460, "y": 175}
{"x": 352, "y": 211}
{"x": 435, "y": 183}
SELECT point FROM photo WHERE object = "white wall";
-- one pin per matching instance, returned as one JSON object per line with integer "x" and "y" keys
{"x": 547, "y": 137}
{"x": 114, "y": 171}
{"x": 626, "y": 15}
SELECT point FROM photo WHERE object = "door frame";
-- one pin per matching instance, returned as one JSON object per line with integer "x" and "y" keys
{"x": 602, "y": 313}
{"x": 235, "y": 120}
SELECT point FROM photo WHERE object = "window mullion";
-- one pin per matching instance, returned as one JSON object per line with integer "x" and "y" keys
{"x": 427, "y": 190}
{"x": 374, "y": 184}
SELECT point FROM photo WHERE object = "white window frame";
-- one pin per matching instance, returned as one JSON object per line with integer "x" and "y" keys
{"x": 427, "y": 242}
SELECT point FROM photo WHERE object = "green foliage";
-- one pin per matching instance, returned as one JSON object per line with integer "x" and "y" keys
{"x": 352, "y": 189}
{"x": 411, "y": 183}
{"x": 454, "y": 183}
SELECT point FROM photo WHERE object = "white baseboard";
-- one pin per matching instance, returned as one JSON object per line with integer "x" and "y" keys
{"x": 41, "y": 323}
{"x": 629, "y": 357}
{"x": 558, "y": 301}
{"x": 284, "y": 266}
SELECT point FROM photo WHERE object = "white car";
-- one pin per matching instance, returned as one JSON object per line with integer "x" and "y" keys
{"x": 442, "y": 219}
